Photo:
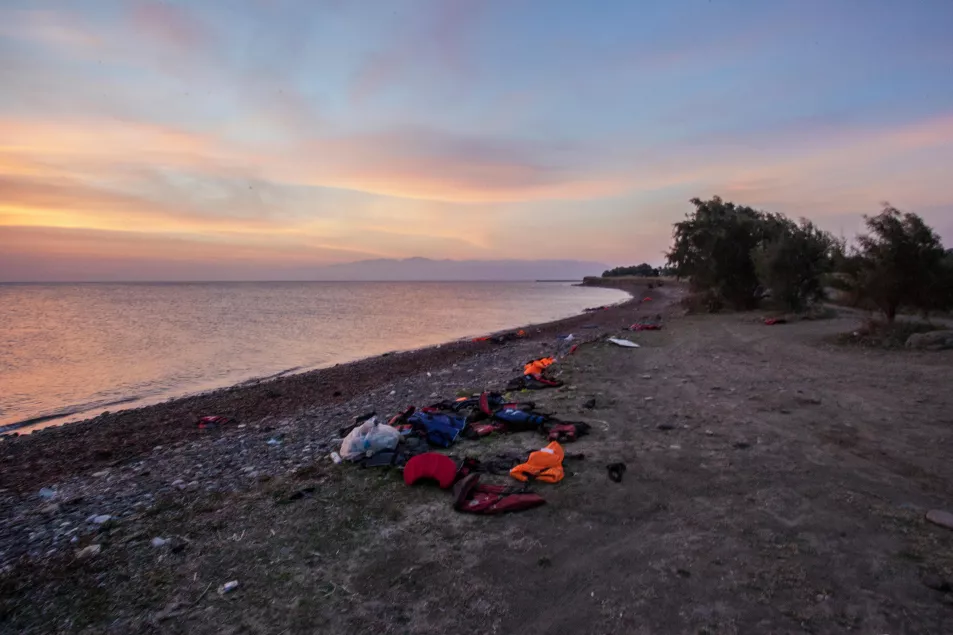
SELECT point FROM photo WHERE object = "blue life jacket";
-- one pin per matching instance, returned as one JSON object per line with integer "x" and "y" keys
{"x": 440, "y": 429}
{"x": 520, "y": 420}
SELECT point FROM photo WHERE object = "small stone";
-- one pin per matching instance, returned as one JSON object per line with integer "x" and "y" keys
{"x": 158, "y": 542}
{"x": 649, "y": 398}
{"x": 675, "y": 447}
{"x": 46, "y": 493}
{"x": 50, "y": 509}
{"x": 88, "y": 552}
{"x": 228, "y": 587}
{"x": 178, "y": 483}
{"x": 665, "y": 426}
{"x": 941, "y": 518}
{"x": 646, "y": 377}
{"x": 101, "y": 519}
{"x": 710, "y": 433}
{"x": 100, "y": 473}
{"x": 742, "y": 445}
{"x": 392, "y": 393}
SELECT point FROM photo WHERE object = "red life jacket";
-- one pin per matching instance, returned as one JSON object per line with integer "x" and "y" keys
{"x": 474, "y": 498}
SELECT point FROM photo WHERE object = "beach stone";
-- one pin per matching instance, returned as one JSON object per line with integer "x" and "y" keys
{"x": 931, "y": 341}
{"x": 941, "y": 518}
{"x": 158, "y": 542}
{"x": 88, "y": 552}
{"x": 47, "y": 493}
{"x": 101, "y": 519}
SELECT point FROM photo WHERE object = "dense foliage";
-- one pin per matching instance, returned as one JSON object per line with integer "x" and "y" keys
{"x": 737, "y": 255}
{"x": 900, "y": 262}
{"x": 645, "y": 270}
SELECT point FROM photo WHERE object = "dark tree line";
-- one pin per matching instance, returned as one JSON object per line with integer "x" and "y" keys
{"x": 645, "y": 270}
{"x": 739, "y": 255}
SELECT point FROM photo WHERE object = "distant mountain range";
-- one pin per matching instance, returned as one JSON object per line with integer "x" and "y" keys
{"x": 425, "y": 269}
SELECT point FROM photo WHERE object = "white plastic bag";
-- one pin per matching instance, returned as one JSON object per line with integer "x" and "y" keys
{"x": 368, "y": 439}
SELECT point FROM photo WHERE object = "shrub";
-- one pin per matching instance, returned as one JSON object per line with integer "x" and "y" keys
{"x": 900, "y": 262}
{"x": 792, "y": 263}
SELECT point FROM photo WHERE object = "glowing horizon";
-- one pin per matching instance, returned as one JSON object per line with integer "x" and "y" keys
{"x": 269, "y": 135}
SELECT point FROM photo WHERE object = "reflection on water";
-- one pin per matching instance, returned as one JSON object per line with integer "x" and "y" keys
{"x": 71, "y": 348}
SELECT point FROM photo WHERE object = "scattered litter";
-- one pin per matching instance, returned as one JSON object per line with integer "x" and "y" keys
{"x": 616, "y": 470}
{"x": 212, "y": 421}
{"x": 87, "y": 552}
{"x": 675, "y": 447}
{"x": 648, "y": 399}
{"x": 941, "y": 518}
{"x": 472, "y": 497}
{"x": 431, "y": 465}
{"x": 710, "y": 432}
{"x": 228, "y": 587}
{"x": 336, "y": 457}
{"x": 625, "y": 343}
{"x": 544, "y": 465}
{"x": 646, "y": 376}
{"x": 368, "y": 439}
{"x": 273, "y": 441}
{"x": 645, "y": 326}
{"x": 773, "y": 321}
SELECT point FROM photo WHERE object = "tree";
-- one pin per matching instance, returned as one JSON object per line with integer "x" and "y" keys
{"x": 713, "y": 248}
{"x": 645, "y": 270}
{"x": 899, "y": 263}
{"x": 791, "y": 263}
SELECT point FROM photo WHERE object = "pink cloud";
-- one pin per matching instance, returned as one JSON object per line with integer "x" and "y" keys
{"x": 170, "y": 25}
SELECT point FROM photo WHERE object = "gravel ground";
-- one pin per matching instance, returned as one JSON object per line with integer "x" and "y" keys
{"x": 62, "y": 486}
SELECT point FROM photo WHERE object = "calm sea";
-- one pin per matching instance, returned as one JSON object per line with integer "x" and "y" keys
{"x": 73, "y": 350}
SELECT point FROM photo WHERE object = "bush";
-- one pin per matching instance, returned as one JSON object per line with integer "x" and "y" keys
{"x": 713, "y": 248}
{"x": 899, "y": 263}
{"x": 791, "y": 265}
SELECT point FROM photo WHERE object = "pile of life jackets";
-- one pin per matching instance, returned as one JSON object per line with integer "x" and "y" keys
{"x": 477, "y": 416}
{"x": 473, "y": 497}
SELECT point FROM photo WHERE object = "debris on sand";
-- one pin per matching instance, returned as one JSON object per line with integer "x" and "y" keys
{"x": 941, "y": 518}
{"x": 228, "y": 587}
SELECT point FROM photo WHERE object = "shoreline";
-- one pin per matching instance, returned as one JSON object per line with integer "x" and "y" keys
{"x": 49, "y": 453}
{"x": 78, "y": 413}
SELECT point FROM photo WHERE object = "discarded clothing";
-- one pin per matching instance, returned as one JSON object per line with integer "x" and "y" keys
{"x": 520, "y": 420}
{"x": 543, "y": 465}
{"x": 532, "y": 382}
{"x": 643, "y": 326}
{"x": 439, "y": 429}
{"x": 773, "y": 321}
{"x": 433, "y": 466}
{"x": 566, "y": 431}
{"x": 537, "y": 366}
{"x": 472, "y": 497}
{"x": 212, "y": 421}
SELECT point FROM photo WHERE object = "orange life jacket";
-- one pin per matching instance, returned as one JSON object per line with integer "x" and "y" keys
{"x": 543, "y": 465}
{"x": 536, "y": 366}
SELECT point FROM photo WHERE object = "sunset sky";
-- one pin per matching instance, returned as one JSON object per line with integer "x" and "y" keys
{"x": 246, "y": 139}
